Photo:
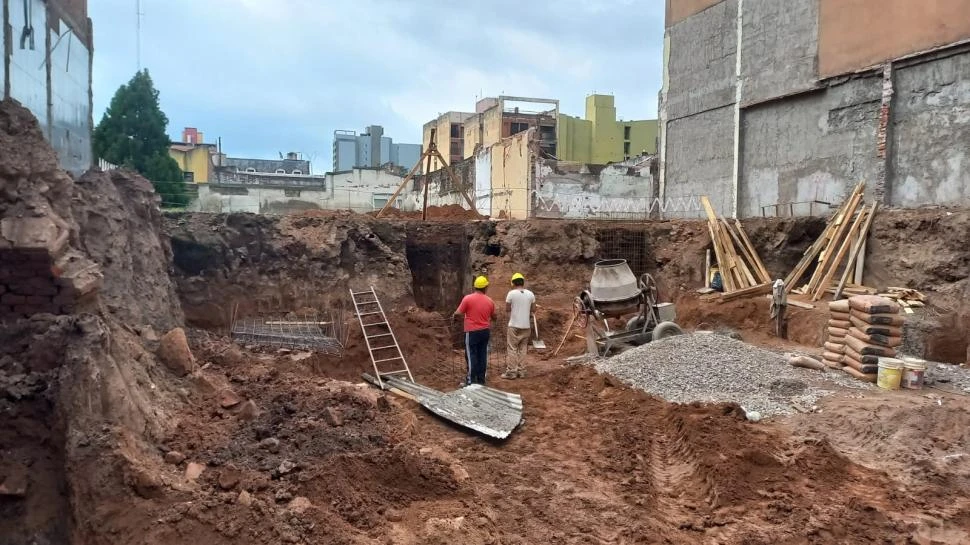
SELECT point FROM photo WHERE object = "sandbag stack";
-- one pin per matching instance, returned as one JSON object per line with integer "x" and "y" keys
{"x": 838, "y": 329}
{"x": 875, "y": 330}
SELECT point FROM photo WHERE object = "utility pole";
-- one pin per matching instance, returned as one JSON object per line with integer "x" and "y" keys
{"x": 138, "y": 33}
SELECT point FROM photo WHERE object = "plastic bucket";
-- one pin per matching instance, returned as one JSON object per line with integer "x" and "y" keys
{"x": 914, "y": 371}
{"x": 890, "y": 373}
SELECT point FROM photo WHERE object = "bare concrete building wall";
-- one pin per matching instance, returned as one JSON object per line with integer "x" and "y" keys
{"x": 749, "y": 117}
{"x": 930, "y": 142}
{"x": 812, "y": 147}
{"x": 700, "y": 158}
{"x": 768, "y": 68}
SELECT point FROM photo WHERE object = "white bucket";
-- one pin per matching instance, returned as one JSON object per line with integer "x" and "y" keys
{"x": 914, "y": 373}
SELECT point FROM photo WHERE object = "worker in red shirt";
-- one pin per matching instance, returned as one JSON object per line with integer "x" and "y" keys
{"x": 479, "y": 311}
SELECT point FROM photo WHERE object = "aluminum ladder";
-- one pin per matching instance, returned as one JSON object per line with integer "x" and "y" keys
{"x": 381, "y": 342}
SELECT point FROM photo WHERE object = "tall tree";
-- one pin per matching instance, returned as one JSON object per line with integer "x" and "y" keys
{"x": 133, "y": 133}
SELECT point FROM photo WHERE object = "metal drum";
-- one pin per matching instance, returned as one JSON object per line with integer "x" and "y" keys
{"x": 614, "y": 289}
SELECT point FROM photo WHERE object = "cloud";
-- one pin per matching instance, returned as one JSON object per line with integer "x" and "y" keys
{"x": 280, "y": 75}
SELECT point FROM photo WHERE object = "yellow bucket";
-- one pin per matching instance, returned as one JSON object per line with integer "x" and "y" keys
{"x": 890, "y": 373}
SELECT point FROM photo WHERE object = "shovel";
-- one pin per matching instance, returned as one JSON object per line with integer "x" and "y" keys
{"x": 536, "y": 342}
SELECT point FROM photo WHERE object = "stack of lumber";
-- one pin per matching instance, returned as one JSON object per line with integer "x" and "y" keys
{"x": 842, "y": 241}
{"x": 906, "y": 297}
{"x": 742, "y": 271}
{"x": 838, "y": 328}
{"x": 876, "y": 329}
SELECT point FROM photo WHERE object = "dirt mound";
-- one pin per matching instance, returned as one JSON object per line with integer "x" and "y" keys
{"x": 450, "y": 212}
{"x": 323, "y": 461}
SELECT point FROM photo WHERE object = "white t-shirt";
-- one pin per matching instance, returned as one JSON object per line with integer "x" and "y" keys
{"x": 521, "y": 300}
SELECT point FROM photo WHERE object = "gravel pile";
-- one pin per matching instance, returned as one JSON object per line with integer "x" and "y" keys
{"x": 708, "y": 367}
{"x": 948, "y": 377}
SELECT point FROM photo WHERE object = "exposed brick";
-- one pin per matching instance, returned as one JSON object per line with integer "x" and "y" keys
{"x": 3, "y": 289}
{"x": 38, "y": 300}
{"x": 6, "y": 310}
{"x": 30, "y": 310}
{"x": 64, "y": 298}
{"x": 12, "y": 299}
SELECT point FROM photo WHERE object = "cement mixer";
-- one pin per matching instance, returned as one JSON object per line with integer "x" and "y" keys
{"x": 615, "y": 292}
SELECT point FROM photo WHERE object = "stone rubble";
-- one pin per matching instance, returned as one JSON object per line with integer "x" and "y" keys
{"x": 711, "y": 368}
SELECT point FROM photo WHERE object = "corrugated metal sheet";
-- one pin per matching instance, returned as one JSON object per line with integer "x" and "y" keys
{"x": 486, "y": 410}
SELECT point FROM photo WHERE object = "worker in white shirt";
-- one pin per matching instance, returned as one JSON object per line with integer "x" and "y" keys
{"x": 520, "y": 304}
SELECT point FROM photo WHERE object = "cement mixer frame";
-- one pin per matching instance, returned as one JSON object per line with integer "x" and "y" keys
{"x": 615, "y": 292}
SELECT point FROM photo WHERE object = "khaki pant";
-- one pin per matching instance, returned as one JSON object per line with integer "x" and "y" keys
{"x": 518, "y": 342}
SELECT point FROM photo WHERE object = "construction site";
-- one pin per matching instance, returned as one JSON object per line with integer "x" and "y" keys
{"x": 751, "y": 320}
{"x": 187, "y": 377}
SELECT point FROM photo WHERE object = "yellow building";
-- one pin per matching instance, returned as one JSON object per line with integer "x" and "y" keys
{"x": 449, "y": 137}
{"x": 193, "y": 156}
{"x": 600, "y": 138}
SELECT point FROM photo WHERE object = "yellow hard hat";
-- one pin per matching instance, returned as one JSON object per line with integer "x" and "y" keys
{"x": 481, "y": 283}
{"x": 517, "y": 276}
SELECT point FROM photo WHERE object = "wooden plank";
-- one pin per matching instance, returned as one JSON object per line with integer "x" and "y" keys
{"x": 758, "y": 264}
{"x": 733, "y": 242}
{"x": 812, "y": 252}
{"x": 726, "y": 279}
{"x": 833, "y": 262}
{"x": 860, "y": 265}
{"x": 800, "y": 304}
{"x": 744, "y": 257}
{"x": 844, "y": 222}
{"x": 863, "y": 234}
{"x": 746, "y": 292}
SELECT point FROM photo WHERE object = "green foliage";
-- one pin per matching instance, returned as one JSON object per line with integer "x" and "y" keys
{"x": 133, "y": 134}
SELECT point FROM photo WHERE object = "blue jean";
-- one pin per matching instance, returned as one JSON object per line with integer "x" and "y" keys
{"x": 476, "y": 355}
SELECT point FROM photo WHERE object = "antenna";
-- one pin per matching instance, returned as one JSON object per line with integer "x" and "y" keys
{"x": 138, "y": 15}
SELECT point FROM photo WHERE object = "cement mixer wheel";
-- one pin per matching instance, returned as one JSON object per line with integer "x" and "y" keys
{"x": 666, "y": 329}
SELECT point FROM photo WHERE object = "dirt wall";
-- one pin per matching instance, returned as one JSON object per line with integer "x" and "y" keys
{"x": 77, "y": 374}
{"x": 251, "y": 263}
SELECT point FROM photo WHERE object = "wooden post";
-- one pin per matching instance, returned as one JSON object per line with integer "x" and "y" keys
{"x": 427, "y": 182}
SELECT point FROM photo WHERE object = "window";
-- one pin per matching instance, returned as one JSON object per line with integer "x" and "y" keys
{"x": 380, "y": 199}
{"x": 456, "y": 130}
{"x": 280, "y": 171}
{"x": 457, "y": 149}
{"x": 516, "y": 128}
{"x": 250, "y": 169}
{"x": 626, "y": 148}
{"x": 297, "y": 171}
{"x": 626, "y": 132}
{"x": 188, "y": 176}
{"x": 291, "y": 192}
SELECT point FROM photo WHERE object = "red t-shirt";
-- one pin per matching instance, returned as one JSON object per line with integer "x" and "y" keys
{"x": 478, "y": 310}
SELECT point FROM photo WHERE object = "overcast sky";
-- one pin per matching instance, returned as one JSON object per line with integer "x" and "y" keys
{"x": 272, "y": 76}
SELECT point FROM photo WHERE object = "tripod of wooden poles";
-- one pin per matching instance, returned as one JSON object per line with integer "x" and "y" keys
{"x": 427, "y": 155}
